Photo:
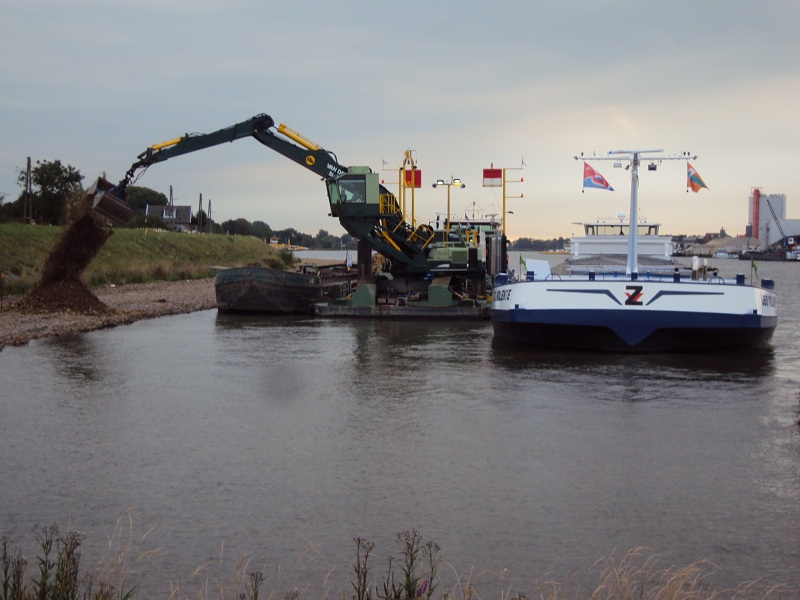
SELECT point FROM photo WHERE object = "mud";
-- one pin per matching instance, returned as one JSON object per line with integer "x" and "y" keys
{"x": 69, "y": 311}
{"x": 60, "y": 288}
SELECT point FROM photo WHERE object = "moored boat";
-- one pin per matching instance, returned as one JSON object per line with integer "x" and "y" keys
{"x": 724, "y": 254}
{"x": 757, "y": 255}
{"x": 633, "y": 311}
{"x": 266, "y": 290}
{"x": 458, "y": 256}
{"x": 635, "y": 315}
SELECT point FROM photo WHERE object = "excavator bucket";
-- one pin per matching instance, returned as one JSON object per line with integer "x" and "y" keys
{"x": 103, "y": 198}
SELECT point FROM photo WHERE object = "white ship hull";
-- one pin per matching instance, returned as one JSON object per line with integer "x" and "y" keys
{"x": 640, "y": 315}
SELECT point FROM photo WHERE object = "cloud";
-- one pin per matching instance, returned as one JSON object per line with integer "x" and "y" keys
{"x": 97, "y": 83}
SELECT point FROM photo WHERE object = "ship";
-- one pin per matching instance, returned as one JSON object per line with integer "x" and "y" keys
{"x": 266, "y": 290}
{"x": 633, "y": 308}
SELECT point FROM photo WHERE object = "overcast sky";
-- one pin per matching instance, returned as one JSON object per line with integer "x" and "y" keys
{"x": 93, "y": 83}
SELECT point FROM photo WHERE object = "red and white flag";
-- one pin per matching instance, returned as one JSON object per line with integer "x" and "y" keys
{"x": 493, "y": 178}
{"x": 593, "y": 179}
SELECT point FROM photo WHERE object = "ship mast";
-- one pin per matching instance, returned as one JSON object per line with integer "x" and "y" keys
{"x": 635, "y": 158}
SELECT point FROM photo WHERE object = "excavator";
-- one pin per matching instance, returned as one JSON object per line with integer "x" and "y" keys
{"x": 446, "y": 268}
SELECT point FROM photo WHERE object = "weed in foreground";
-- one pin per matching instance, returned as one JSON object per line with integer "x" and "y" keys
{"x": 413, "y": 575}
{"x": 361, "y": 584}
{"x": 58, "y": 575}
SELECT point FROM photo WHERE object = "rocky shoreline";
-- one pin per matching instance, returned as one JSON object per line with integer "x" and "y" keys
{"x": 125, "y": 303}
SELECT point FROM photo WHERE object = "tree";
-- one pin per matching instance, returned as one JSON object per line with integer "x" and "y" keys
{"x": 141, "y": 197}
{"x": 200, "y": 220}
{"x": 53, "y": 183}
{"x": 236, "y": 227}
{"x": 11, "y": 211}
{"x": 260, "y": 230}
{"x": 327, "y": 241}
{"x": 287, "y": 236}
{"x": 530, "y": 244}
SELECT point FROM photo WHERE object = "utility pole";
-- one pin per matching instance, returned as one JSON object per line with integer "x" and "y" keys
{"x": 27, "y": 203}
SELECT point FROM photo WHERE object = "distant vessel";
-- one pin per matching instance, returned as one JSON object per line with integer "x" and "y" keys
{"x": 724, "y": 254}
{"x": 789, "y": 252}
{"x": 633, "y": 309}
{"x": 278, "y": 245}
{"x": 564, "y": 250}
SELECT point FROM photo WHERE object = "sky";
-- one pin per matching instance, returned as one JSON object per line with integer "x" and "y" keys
{"x": 522, "y": 85}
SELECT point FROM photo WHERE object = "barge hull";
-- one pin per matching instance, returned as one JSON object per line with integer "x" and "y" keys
{"x": 407, "y": 311}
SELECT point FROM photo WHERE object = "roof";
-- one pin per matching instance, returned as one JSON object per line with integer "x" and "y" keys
{"x": 174, "y": 214}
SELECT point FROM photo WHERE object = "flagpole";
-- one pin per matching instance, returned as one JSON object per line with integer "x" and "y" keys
{"x": 632, "y": 267}
{"x": 505, "y": 196}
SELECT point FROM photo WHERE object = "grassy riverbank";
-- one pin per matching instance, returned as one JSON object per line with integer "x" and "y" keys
{"x": 413, "y": 574}
{"x": 130, "y": 256}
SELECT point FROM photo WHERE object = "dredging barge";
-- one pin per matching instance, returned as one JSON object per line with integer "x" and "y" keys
{"x": 423, "y": 272}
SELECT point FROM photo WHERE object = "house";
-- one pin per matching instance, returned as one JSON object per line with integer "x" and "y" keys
{"x": 178, "y": 218}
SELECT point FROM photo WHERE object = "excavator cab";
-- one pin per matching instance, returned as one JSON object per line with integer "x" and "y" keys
{"x": 354, "y": 193}
{"x": 352, "y": 189}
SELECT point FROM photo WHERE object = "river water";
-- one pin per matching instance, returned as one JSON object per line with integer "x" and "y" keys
{"x": 208, "y": 437}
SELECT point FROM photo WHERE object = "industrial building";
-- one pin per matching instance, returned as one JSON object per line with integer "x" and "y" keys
{"x": 767, "y": 220}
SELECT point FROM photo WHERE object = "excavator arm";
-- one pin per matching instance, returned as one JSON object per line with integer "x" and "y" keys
{"x": 366, "y": 209}
{"x": 303, "y": 152}
{"x": 110, "y": 200}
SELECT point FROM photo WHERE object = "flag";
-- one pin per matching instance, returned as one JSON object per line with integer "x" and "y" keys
{"x": 493, "y": 178}
{"x": 413, "y": 178}
{"x": 754, "y": 266}
{"x": 593, "y": 179}
{"x": 693, "y": 179}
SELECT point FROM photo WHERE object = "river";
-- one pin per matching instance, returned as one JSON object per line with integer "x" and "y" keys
{"x": 206, "y": 438}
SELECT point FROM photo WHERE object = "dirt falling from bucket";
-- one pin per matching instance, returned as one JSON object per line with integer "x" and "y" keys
{"x": 60, "y": 287}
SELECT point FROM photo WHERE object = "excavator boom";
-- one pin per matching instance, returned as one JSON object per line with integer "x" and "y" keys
{"x": 109, "y": 200}
{"x": 364, "y": 207}
{"x": 309, "y": 155}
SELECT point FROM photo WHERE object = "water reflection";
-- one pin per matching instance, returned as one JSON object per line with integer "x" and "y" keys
{"x": 270, "y": 435}
{"x": 75, "y": 357}
{"x": 514, "y": 356}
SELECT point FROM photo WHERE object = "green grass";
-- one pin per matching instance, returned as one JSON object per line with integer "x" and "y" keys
{"x": 130, "y": 256}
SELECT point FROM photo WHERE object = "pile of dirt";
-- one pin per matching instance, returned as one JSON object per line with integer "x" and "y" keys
{"x": 60, "y": 288}
{"x": 62, "y": 296}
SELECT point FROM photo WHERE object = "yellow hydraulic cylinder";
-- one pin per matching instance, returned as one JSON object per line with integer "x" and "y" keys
{"x": 292, "y": 134}
{"x": 165, "y": 144}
